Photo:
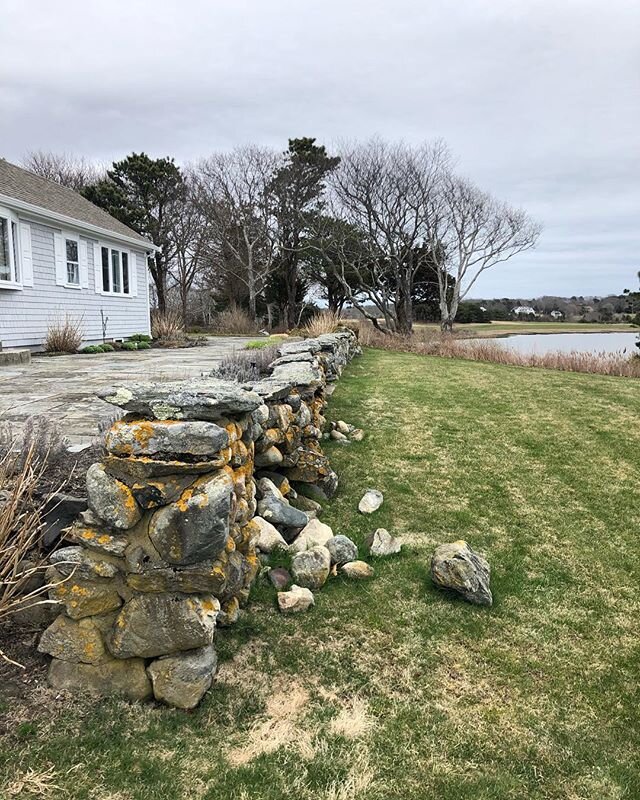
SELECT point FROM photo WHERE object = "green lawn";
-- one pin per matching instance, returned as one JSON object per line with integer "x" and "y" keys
{"x": 392, "y": 689}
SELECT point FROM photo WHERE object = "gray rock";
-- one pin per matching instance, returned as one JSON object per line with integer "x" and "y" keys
{"x": 304, "y": 375}
{"x": 181, "y": 680}
{"x": 195, "y": 527}
{"x": 343, "y": 428}
{"x": 314, "y": 534}
{"x": 269, "y": 538}
{"x": 197, "y": 398}
{"x": 280, "y": 578}
{"x": 98, "y": 539}
{"x": 357, "y": 570}
{"x": 117, "y": 676}
{"x": 276, "y": 510}
{"x": 82, "y": 598}
{"x": 306, "y": 346}
{"x": 110, "y": 499}
{"x": 457, "y": 567}
{"x": 338, "y": 436}
{"x": 311, "y": 568}
{"x": 382, "y": 543}
{"x": 342, "y": 549}
{"x": 310, "y": 507}
{"x": 311, "y": 491}
{"x": 371, "y": 501}
{"x": 297, "y": 599}
{"x": 58, "y": 513}
{"x": 79, "y": 641}
{"x": 271, "y": 457}
{"x": 82, "y": 564}
{"x": 151, "y": 625}
{"x": 151, "y": 437}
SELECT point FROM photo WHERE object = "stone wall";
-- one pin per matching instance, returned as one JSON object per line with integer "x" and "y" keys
{"x": 167, "y": 550}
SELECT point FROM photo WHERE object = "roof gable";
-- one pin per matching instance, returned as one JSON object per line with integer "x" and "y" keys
{"x": 26, "y": 187}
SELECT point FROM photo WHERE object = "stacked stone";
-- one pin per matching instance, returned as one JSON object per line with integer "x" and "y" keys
{"x": 167, "y": 549}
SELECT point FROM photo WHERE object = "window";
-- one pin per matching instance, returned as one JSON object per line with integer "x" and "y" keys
{"x": 116, "y": 277}
{"x": 73, "y": 261}
{"x": 9, "y": 259}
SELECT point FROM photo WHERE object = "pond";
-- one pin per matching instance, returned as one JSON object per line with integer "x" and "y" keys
{"x": 615, "y": 342}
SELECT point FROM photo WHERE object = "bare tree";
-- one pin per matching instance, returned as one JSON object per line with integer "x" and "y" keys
{"x": 469, "y": 232}
{"x": 234, "y": 200}
{"x": 379, "y": 191}
{"x": 71, "y": 171}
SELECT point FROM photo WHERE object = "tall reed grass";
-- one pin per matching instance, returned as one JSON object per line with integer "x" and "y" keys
{"x": 433, "y": 343}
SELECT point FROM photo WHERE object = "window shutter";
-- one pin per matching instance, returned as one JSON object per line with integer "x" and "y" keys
{"x": 60, "y": 256}
{"x": 97, "y": 267}
{"x": 83, "y": 255}
{"x": 26, "y": 254}
{"x": 133, "y": 274}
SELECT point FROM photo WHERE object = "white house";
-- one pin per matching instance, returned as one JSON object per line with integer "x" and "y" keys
{"x": 556, "y": 314}
{"x": 527, "y": 311}
{"x": 61, "y": 254}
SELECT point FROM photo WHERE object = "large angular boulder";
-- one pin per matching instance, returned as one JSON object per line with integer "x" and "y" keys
{"x": 196, "y": 526}
{"x": 127, "y": 677}
{"x": 110, "y": 499}
{"x": 79, "y": 641}
{"x": 311, "y": 568}
{"x": 181, "y": 680}
{"x": 314, "y": 534}
{"x": 198, "y": 398}
{"x": 457, "y": 567}
{"x": 158, "y": 624}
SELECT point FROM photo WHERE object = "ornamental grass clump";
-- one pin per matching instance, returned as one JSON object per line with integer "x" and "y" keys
{"x": 322, "y": 322}
{"x": 64, "y": 334}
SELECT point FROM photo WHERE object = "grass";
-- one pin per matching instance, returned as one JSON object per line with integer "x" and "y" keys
{"x": 268, "y": 341}
{"x": 507, "y": 328}
{"x": 391, "y": 689}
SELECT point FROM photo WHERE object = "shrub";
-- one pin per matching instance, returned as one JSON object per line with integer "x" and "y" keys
{"x": 129, "y": 346}
{"x": 142, "y": 345}
{"x": 167, "y": 325}
{"x": 64, "y": 335}
{"x": 107, "y": 348}
{"x": 90, "y": 349}
{"x": 140, "y": 337}
{"x": 235, "y": 320}
{"x": 246, "y": 366}
{"x": 22, "y": 559}
{"x": 322, "y": 322}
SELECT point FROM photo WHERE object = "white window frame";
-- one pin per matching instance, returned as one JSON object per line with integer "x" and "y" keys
{"x": 130, "y": 265}
{"x": 72, "y": 237}
{"x": 15, "y": 266}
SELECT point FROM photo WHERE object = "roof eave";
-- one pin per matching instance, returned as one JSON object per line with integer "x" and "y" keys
{"x": 47, "y": 214}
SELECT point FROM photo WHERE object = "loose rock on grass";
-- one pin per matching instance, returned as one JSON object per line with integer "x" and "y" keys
{"x": 382, "y": 543}
{"x": 457, "y": 567}
{"x": 357, "y": 570}
{"x": 371, "y": 501}
{"x": 342, "y": 549}
{"x": 297, "y": 599}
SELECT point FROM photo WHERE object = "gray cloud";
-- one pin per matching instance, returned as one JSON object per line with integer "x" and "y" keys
{"x": 538, "y": 100}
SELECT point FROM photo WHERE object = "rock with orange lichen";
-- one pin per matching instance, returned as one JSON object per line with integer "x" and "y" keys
{"x": 152, "y": 625}
{"x": 181, "y": 680}
{"x": 131, "y": 469}
{"x": 160, "y": 491}
{"x": 97, "y": 538}
{"x": 117, "y": 676}
{"x": 82, "y": 598}
{"x": 171, "y": 437}
{"x": 229, "y": 613}
{"x": 79, "y": 641}
{"x": 110, "y": 499}
{"x": 80, "y": 563}
{"x": 196, "y": 526}
{"x": 209, "y": 577}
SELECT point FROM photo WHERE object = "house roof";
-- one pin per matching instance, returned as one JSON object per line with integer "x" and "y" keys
{"x": 39, "y": 195}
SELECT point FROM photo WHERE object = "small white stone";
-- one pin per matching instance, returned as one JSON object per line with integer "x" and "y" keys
{"x": 371, "y": 501}
{"x": 295, "y": 600}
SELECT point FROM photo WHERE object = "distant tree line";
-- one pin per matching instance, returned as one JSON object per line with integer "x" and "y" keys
{"x": 387, "y": 229}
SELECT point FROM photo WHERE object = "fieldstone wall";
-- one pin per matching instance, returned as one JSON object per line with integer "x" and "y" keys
{"x": 167, "y": 550}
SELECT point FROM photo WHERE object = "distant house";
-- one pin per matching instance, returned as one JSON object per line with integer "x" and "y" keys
{"x": 524, "y": 311}
{"x": 61, "y": 254}
{"x": 556, "y": 314}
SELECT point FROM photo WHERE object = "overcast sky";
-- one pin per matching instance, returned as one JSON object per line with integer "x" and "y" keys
{"x": 538, "y": 100}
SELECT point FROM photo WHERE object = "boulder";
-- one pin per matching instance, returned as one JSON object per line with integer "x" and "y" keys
{"x": 342, "y": 427}
{"x": 271, "y": 457}
{"x": 311, "y": 568}
{"x": 206, "y": 577}
{"x": 314, "y": 534}
{"x": 382, "y": 543}
{"x": 338, "y": 436}
{"x": 98, "y": 539}
{"x": 198, "y": 398}
{"x": 280, "y": 578}
{"x": 357, "y": 570}
{"x": 342, "y": 550}
{"x": 158, "y": 624}
{"x": 269, "y": 537}
{"x": 310, "y": 507}
{"x": 170, "y": 437}
{"x": 82, "y": 598}
{"x": 82, "y": 564}
{"x": 297, "y": 599}
{"x": 370, "y": 502}
{"x": 181, "y": 680}
{"x": 276, "y": 509}
{"x": 457, "y": 567}
{"x": 79, "y": 641}
{"x": 195, "y": 527}
{"x": 116, "y": 676}
{"x": 131, "y": 469}
{"x": 110, "y": 499}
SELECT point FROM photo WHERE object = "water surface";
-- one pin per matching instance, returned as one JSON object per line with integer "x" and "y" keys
{"x": 540, "y": 343}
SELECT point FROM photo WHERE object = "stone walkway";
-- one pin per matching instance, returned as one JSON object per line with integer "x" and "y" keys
{"x": 64, "y": 387}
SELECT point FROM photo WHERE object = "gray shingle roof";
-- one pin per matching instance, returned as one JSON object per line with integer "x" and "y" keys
{"x": 20, "y": 184}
